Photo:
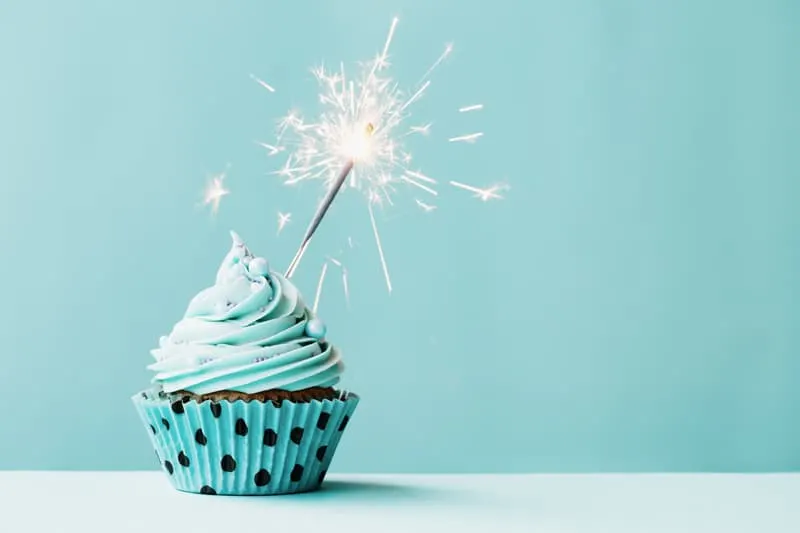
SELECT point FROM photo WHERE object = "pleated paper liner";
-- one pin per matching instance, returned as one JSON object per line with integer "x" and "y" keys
{"x": 245, "y": 447}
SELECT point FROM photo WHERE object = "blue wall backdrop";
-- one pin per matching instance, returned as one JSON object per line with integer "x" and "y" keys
{"x": 632, "y": 305}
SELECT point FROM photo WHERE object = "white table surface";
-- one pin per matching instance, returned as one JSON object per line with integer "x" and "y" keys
{"x": 143, "y": 502}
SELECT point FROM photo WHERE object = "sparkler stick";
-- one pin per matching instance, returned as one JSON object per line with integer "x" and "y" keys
{"x": 376, "y": 162}
{"x": 323, "y": 208}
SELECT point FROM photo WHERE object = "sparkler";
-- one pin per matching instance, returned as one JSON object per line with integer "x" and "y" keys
{"x": 357, "y": 142}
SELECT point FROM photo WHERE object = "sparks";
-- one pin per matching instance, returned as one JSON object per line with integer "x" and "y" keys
{"x": 214, "y": 192}
{"x": 489, "y": 193}
{"x": 264, "y": 84}
{"x": 384, "y": 266}
{"x": 362, "y": 127}
{"x": 283, "y": 219}
{"x": 425, "y": 207}
{"x": 468, "y": 108}
{"x": 362, "y": 120}
{"x": 332, "y": 260}
{"x": 448, "y": 49}
{"x": 408, "y": 179}
{"x": 345, "y": 283}
{"x": 319, "y": 286}
{"x": 471, "y": 138}
{"x": 345, "y": 287}
{"x": 422, "y": 130}
{"x": 273, "y": 150}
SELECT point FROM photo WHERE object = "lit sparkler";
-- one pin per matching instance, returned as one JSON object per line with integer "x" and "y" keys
{"x": 357, "y": 141}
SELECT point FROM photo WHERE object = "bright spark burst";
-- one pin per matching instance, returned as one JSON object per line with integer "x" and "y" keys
{"x": 283, "y": 219}
{"x": 214, "y": 192}
{"x": 363, "y": 120}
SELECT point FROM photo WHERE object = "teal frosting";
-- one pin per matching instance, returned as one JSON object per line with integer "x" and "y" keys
{"x": 249, "y": 332}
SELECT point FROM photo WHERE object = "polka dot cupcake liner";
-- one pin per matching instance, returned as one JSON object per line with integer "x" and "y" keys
{"x": 245, "y": 448}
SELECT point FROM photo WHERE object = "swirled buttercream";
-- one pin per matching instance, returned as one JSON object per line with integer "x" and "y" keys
{"x": 249, "y": 332}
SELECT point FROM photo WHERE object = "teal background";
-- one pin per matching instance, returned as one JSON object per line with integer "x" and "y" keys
{"x": 633, "y": 305}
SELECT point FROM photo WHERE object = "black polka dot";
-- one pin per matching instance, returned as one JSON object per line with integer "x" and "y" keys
{"x": 183, "y": 459}
{"x": 200, "y": 437}
{"x": 241, "y": 427}
{"x": 323, "y": 420}
{"x": 216, "y": 409}
{"x": 168, "y": 467}
{"x": 321, "y": 476}
{"x": 297, "y": 473}
{"x": 296, "y": 435}
{"x": 153, "y": 429}
{"x": 321, "y": 452}
{"x": 166, "y": 423}
{"x": 262, "y": 478}
{"x": 343, "y": 425}
{"x": 205, "y": 489}
{"x": 177, "y": 407}
{"x": 270, "y": 437}
{"x": 228, "y": 463}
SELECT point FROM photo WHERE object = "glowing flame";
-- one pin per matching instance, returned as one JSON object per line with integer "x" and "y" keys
{"x": 358, "y": 144}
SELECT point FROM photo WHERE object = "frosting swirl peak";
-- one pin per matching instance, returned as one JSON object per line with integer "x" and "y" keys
{"x": 249, "y": 332}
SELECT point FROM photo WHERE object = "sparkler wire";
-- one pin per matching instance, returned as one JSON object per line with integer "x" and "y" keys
{"x": 321, "y": 210}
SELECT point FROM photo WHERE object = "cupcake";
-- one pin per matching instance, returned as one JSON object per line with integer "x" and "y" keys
{"x": 244, "y": 397}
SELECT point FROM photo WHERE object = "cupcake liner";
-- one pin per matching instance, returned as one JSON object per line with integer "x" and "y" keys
{"x": 244, "y": 447}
